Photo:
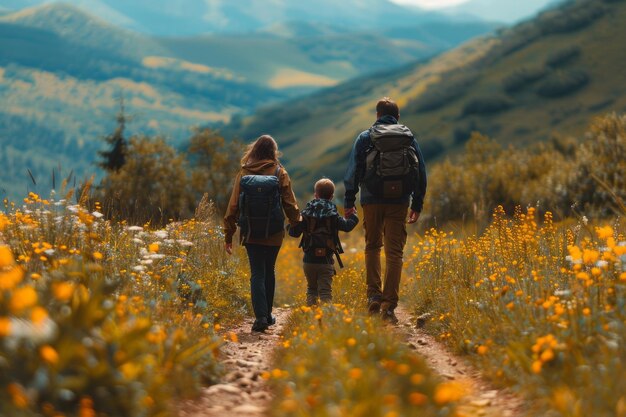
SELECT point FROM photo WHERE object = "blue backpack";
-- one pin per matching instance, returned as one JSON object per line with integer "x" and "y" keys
{"x": 260, "y": 206}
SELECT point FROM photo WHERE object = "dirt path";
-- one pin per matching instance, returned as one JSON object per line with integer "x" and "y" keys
{"x": 482, "y": 399}
{"x": 243, "y": 392}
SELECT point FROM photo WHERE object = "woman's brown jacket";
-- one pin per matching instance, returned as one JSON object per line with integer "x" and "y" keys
{"x": 290, "y": 206}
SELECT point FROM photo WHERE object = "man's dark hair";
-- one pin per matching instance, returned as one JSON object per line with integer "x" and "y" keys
{"x": 387, "y": 107}
{"x": 325, "y": 189}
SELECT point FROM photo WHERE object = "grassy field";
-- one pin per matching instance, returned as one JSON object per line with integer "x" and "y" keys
{"x": 124, "y": 320}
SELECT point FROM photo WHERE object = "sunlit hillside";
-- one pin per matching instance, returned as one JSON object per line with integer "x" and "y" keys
{"x": 549, "y": 74}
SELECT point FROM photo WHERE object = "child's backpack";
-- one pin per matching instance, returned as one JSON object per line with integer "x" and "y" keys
{"x": 321, "y": 236}
{"x": 260, "y": 206}
{"x": 391, "y": 164}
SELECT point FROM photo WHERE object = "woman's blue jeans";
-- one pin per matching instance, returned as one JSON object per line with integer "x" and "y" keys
{"x": 262, "y": 278}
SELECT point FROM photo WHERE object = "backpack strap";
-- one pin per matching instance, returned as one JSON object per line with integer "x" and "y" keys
{"x": 332, "y": 223}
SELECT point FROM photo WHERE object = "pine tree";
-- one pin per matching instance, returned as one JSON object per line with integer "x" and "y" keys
{"x": 115, "y": 158}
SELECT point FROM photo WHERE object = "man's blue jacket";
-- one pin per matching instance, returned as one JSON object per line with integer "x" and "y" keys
{"x": 356, "y": 171}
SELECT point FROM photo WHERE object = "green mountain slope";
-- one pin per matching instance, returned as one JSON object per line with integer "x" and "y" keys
{"x": 62, "y": 69}
{"x": 547, "y": 75}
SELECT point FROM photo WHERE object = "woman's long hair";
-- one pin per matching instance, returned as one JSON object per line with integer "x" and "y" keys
{"x": 263, "y": 148}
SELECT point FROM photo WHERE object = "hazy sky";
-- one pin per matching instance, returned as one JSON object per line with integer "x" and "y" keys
{"x": 431, "y": 4}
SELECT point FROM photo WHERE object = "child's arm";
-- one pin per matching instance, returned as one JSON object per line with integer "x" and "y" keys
{"x": 347, "y": 224}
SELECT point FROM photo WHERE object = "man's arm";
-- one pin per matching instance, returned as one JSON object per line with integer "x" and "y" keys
{"x": 296, "y": 230}
{"x": 417, "y": 203}
{"x": 352, "y": 176}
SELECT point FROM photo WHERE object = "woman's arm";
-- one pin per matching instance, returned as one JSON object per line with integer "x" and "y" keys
{"x": 232, "y": 212}
{"x": 290, "y": 205}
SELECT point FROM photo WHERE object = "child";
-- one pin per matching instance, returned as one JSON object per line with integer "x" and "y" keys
{"x": 320, "y": 241}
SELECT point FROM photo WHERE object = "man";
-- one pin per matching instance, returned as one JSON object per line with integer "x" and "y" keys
{"x": 385, "y": 202}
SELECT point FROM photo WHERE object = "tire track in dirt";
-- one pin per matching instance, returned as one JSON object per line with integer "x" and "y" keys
{"x": 242, "y": 391}
{"x": 481, "y": 399}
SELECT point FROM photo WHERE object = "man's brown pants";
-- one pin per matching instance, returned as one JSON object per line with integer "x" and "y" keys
{"x": 385, "y": 226}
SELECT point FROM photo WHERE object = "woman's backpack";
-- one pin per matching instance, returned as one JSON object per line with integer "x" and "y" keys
{"x": 391, "y": 164}
{"x": 260, "y": 206}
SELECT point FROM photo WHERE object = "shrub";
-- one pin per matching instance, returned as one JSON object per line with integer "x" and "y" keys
{"x": 563, "y": 83}
{"x": 431, "y": 149}
{"x": 599, "y": 185}
{"x": 563, "y": 56}
{"x": 487, "y": 105}
{"x": 521, "y": 78}
{"x": 572, "y": 18}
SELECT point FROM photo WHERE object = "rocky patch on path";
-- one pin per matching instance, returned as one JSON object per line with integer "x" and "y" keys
{"x": 243, "y": 391}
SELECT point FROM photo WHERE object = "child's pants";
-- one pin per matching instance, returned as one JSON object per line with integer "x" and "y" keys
{"x": 319, "y": 278}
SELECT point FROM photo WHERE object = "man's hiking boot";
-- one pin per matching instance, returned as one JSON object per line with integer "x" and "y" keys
{"x": 260, "y": 325}
{"x": 389, "y": 316}
{"x": 271, "y": 320}
{"x": 374, "y": 307}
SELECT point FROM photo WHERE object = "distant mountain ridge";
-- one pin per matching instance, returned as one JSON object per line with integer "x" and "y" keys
{"x": 193, "y": 17}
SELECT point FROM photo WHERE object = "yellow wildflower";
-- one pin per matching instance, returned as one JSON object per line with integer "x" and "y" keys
{"x": 38, "y": 315}
{"x": 448, "y": 392}
{"x": 604, "y": 232}
{"x": 20, "y": 400}
{"x": 49, "y": 354}
{"x": 536, "y": 367}
{"x": 22, "y": 298}
{"x": 355, "y": 373}
{"x": 417, "y": 398}
{"x": 9, "y": 279}
{"x": 63, "y": 291}
{"x": 5, "y": 326}
{"x": 153, "y": 247}
{"x": 6, "y": 257}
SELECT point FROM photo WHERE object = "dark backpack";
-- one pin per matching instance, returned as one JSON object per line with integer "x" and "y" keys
{"x": 391, "y": 164}
{"x": 260, "y": 206}
{"x": 321, "y": 236}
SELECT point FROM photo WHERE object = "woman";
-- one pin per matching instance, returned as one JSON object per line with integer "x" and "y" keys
{"x": 261, "y": 158}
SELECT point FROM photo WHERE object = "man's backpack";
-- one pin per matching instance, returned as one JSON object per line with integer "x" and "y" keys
{"x": 260, "y": 207}
{"x": 321, "y": 236}
{"x": 391, "y": 164}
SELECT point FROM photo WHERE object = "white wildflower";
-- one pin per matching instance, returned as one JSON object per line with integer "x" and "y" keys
{"x": 585, "y": 220}
{"x": 138, "y": 241}
{"x": 134, "y": 228}
{"x": 563, "y": 293}
{"x": 138, "y": 268}
{"x": 602, "y": 264}
{"x": 183, "y": 242}
{"x": 97, "y": 214}
{"x": 147, "y": 261}
{"x": 161, "y": 234}
{"x": 49, "y": 252}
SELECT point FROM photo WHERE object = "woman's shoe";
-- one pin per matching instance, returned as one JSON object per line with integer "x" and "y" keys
{"x": 271, "y": 320}
{"x": 260, "y": 325}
